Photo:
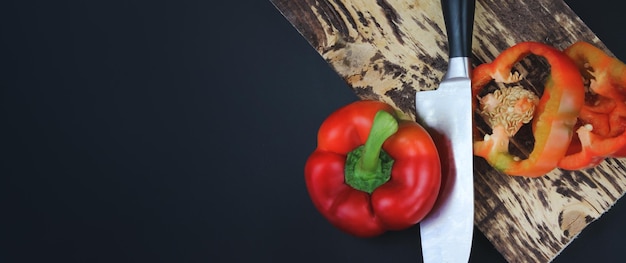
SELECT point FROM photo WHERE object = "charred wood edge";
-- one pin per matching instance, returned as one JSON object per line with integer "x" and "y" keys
{"x": 527, "y": 220}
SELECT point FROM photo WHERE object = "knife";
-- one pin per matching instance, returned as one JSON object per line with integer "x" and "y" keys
{"x": 446, "y": 232}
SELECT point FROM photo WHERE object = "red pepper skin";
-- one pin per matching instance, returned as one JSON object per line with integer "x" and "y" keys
{"x": 554, "y": 118}
{"x": 588, "y": 150}
{"x": 397, "y": 204}
{"x": 604, "y": 111}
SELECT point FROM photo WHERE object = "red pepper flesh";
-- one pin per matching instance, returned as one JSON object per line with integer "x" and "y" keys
{"x": 602, "y": 123}
{"x": 553, "y": 120}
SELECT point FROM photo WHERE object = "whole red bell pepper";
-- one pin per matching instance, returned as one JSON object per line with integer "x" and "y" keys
{"x": 372, "y": 172}
{"x": 552, "y": 122}
{"x": 601, "y": 131}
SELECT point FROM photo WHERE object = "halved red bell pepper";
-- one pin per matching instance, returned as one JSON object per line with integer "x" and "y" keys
{"x": 601, "y": 129}
{"x": 372, "y": 172}
{"x": 553, "y": 120}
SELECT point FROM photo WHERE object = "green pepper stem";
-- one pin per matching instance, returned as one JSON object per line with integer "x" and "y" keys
{"x": 383, "y": 127}
{"x": 368, "y": 166}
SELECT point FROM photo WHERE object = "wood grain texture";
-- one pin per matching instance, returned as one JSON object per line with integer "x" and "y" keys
{"x": 388, "y": 49}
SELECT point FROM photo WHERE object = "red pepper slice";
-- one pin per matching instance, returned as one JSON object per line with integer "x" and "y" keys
{"x": 553, "y": 120}
{"x": 362, "y": 189}
{"x": 602, "y": 121}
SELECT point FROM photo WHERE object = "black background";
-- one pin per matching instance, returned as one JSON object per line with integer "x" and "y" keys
{"x": 177, "y": 131}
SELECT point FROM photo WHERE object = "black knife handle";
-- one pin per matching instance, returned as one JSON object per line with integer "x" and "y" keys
{"x": 459, "y": 18}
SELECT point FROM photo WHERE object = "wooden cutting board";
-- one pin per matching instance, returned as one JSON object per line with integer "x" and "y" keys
{"x": 387, "y": 49}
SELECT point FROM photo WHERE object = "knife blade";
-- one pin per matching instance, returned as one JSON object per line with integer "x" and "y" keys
{"x": 447, "y": 231}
